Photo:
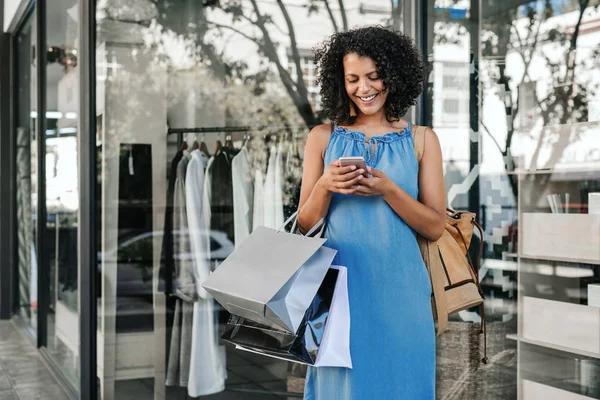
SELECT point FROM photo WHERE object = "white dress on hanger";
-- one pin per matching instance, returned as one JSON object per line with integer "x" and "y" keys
{"x": 273, "y": 191}
{"x": 279, "y": 187}
{"x": 243, "y": 195}
{"x": 258, "y": 215}
{"x": 207, "y": 365}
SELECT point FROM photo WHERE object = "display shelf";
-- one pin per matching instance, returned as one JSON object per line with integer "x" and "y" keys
{"x": 563, "y": 326}
{"x": 535, "y": 391}
{"x": 561, "y": 236}
{"x": 570, "y": 260}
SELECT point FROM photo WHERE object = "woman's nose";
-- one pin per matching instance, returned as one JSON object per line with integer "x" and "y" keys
{"x": 363, "y": 86}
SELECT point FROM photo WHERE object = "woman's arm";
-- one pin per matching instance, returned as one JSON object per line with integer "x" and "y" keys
{"x": 427, "y": 216}
{"x": 317, "y": 185}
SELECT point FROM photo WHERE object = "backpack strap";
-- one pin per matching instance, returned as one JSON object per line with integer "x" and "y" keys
{"x": 418, "y": 133}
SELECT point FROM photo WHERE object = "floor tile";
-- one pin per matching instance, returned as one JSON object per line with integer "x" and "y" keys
{"x": 46, "y": 393}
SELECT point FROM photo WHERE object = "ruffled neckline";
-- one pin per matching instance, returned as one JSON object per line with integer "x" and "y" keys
{"x": 385, "y": 137}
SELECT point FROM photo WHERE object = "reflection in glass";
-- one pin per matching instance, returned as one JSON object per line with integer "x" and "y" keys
{"x": 539, "y": 137}
{"x": 26, "y": 171}
{"x": 203, "y": 109}
{"x": 61, "y": 183}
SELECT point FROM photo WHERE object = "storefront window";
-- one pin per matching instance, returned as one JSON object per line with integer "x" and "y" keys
{"x": 26, "y": 171}
{"x": 198, "y": 89}
{"x": 539, "y": 110}
{"x": 61, "y": 185}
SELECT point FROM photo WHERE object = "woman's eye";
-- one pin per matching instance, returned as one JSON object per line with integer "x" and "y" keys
{"x": 354, "y": 81}
{"x": 376, "y": 78}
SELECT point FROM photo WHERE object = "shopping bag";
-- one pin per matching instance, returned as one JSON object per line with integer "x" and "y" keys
{"x": 323, "y": 338}
{"x": 272, "y": 276}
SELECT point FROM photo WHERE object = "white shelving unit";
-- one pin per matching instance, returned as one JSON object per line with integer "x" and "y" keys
{"x": 557, "y": 331}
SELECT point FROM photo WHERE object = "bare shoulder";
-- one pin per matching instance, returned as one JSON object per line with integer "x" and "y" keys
{"x": 319, "y": 137}
{"x": 431, "y": 136}
{"x": 321, "y": 132}
{"x": 432, "y": 143}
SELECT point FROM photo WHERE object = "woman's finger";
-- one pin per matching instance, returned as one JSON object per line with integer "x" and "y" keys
{"x": 351, "y": 182}
{"x": 351, "y": 190}
{"x": 344, "y": 177}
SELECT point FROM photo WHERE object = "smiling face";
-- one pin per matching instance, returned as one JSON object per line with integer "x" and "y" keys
{"x": 363, "y": 84}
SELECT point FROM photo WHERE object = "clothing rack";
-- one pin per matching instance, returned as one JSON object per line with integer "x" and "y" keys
{"x": 214, "y": 129}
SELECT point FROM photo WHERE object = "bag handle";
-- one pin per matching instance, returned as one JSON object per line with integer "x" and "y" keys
{"x": 294, "y": 217}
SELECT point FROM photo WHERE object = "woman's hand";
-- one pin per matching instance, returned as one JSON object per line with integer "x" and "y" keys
{"x": 378, "y": 184}
{"x": 344, "y": 180}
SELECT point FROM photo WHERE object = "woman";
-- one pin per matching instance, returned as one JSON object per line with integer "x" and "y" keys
{"x": 369, "y": 78}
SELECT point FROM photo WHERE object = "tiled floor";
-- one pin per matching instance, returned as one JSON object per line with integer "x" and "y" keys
{"x": 23, "y": 375}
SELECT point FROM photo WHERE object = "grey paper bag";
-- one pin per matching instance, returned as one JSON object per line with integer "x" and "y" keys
{"x": 272, "y": 277}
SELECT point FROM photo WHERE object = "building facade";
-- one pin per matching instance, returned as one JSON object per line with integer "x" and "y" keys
{"x": 101, "y": 101}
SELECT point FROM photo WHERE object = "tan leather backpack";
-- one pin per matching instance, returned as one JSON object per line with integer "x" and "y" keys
{"x": 454, "y": 277}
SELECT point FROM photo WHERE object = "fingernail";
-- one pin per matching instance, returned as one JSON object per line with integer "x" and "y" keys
{"x": 362, "y": 171}
{"x": 353, "y": 167}
{"x": 360, "y": 177}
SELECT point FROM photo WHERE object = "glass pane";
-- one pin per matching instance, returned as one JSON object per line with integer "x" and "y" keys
{"x": 62, "y": 194}
{"x": 26, "y": 171}
{"x": 540, "y": 127}
{"x": 164, "y": 66}
{"x": 475, "y": 180}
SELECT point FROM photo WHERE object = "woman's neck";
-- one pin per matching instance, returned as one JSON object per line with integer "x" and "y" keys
{"x": 376, "y": 120}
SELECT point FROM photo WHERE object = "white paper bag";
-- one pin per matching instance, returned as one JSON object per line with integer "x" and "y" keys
{"x": 335, "y": 347}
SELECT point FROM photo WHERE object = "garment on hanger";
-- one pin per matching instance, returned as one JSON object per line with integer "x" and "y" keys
{"x": 184, "y": 289}
{"x": 135, "y": 223}
{"x": 198, "y": 232}
{"x": 243, "y": 195}
{"x": 207, "y": 364}
{"x": 221, "y": 198}
{"x": 273, "y": 204}
{"x": 178, "y": 369}
{"x": 279, "y": 187}
{"x": 167, "y": 265}
{"x": 258, "y": 214}
{"x": 185, "y": 285}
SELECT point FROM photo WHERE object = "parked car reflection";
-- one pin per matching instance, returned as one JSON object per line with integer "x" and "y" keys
{"x": 135, "y": 269}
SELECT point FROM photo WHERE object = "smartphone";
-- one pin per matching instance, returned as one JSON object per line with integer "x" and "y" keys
{"x": 359, "y": 162}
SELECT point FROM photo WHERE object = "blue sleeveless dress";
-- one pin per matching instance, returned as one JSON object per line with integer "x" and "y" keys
{"x": 392, "y": 337}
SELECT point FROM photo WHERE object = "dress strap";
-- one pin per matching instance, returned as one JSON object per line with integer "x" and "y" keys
{"x": 332, "y": 126}
{"x": 419, "y": 141}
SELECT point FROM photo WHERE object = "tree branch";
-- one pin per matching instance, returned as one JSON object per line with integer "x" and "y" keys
{"x": 494, "y": 140}
{"x": 343, "y": 13}
{"x": 294, "y": 45}
{"x": 231, "y": 28}
{"x": 300, "y": 100}
{"x": 331, "y": 16}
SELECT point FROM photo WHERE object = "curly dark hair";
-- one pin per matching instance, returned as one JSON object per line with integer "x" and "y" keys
{"x": 399, "y": 64}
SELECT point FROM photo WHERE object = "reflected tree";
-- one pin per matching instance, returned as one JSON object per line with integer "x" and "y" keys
{"x": 560, "y": 99}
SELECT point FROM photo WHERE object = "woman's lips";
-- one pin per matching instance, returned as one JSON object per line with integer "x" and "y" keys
{"x": 367, "y": 99}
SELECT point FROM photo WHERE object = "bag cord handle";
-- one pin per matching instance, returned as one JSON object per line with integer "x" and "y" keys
{"x": 483, "y": 328}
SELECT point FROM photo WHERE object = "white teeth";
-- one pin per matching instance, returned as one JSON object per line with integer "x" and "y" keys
{"x": 367, "y": 99}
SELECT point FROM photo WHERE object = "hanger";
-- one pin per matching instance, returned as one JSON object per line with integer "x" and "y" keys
{"x": 218, "y": 147}
{"x": 228, "y": 142}
{"x": 195, "y": 145}
{"x": 203, "y": 147}
{"x": 246, "y": 139}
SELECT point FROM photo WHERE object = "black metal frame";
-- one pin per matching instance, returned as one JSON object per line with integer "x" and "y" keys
{"x": 87, "y": 200}
{"x": 6, "y": 273}
{"x": 43, "y": 273}
{"x": 8, "y": 217}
